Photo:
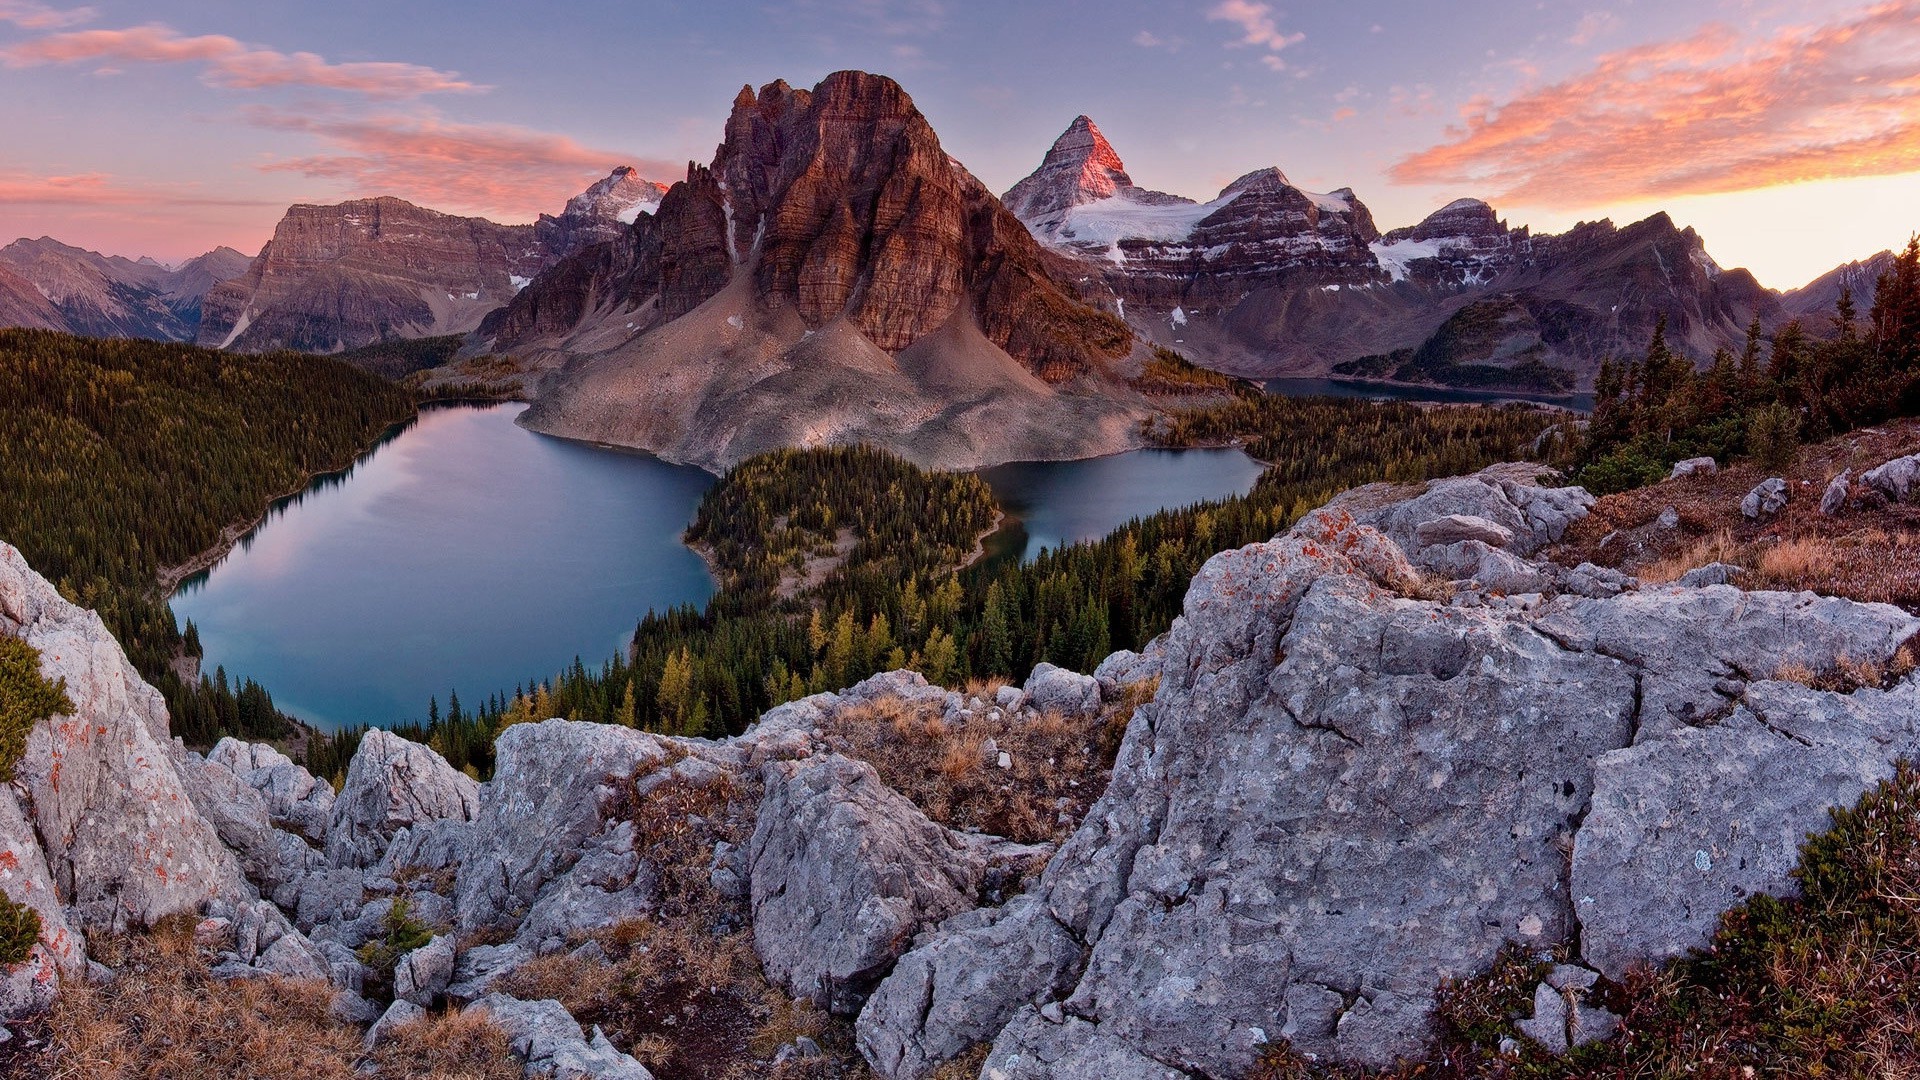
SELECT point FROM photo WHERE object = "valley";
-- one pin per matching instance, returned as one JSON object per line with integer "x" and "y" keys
{"x": 635, "y": 579}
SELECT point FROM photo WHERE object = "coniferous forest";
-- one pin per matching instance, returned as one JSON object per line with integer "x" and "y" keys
{"x": 119, "y": 459}
{"x": 1764, "y": 403}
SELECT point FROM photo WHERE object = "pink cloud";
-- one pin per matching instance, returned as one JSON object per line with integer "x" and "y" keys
{"x": 478, "y": 168}
{"x": 104, "y": 189}
{"x": 36, "y": 16}
{"x": 1706, "y": 114}
{"x": 230, "y": 63}
{"x": 1258, "y": 27}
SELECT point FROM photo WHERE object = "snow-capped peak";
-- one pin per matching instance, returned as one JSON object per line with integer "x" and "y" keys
{"x": 1080, "y": 168}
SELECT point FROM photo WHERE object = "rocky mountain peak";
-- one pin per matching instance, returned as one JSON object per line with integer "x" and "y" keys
{"x": 598, "y": 214}
{"x": 1081, "y": 167}
{"x": 1267, "y": 179}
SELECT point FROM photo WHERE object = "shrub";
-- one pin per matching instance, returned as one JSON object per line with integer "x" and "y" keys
{"x": 1773, "y": 435}
{"x": 402, "y": 934}
{"x": 25, "y": 700}
{"x": 19, "y": 930}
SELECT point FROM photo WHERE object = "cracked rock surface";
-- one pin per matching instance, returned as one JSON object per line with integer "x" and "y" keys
{"x": 1342, "y": 795}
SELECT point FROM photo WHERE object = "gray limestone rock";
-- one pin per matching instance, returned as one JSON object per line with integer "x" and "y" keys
{"x": 295, "y": 800}
{"x": 1834, "y": 499}
{"x": 1767, "y": 498}
{"x": 1715, "y": 573}
{"x": 1548, "y": 1024}
{"x": 423, "y": 974}
{"x": 268, "y": 856}
{"x": 476, "y": 969}
{"x": 1686, "y": 826}
{"x": 1341, "y": 797}
{"x": 1894, "y": 479}
{"x": 844, "y": 872}
{"x": 1453, "y": 528}
{"x": 1053, "y": 689}
{"x": 1669, "y": 518}
{"x": 399, "y": 1014}
{"x": 553, "y": 785}
{"x": 101, "y": 787}
{"x": 1704, "y": 466}
{"x": 975, "y": 972}
{"x": 552, "y": 1045}
{"x": 393, "y": 783}
{"x": 29, "y": 986}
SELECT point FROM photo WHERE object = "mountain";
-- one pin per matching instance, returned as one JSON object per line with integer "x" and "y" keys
{"x": 22, "y": 305}
{"x": 1270, "y": 279}
{"x": 831, "y": 277}
{"x": 367, "y": 271}
{"x": 1817, "y": 298}
{"x": 599, "y": 214}
{"x": 109, "y": 295}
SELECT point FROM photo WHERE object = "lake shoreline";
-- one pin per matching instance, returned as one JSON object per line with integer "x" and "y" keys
{"x": 169, "y": 578}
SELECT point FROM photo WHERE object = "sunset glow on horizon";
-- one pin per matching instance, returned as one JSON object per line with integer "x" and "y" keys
{"x": 1788, "y": 135}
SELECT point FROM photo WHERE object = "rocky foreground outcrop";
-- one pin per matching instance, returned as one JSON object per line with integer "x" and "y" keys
{"x": 1383, "y": 746}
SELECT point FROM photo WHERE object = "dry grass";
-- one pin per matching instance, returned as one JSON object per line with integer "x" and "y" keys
{"x": 1058, "y": 765}
{"x": 460, "y": 1046}
{"x": 164, "y": 1017}
{"x": 1869, "y": 551}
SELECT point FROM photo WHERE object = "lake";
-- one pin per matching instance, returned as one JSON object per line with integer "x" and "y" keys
{"x": 466, "y": 551}
{"x": 1052, "y": 503}
{"x": 1372, "y": 391}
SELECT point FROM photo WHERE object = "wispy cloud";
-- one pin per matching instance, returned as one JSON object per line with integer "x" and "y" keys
{"x": 1258, "y": 28}
{"x": 104, "y": 189}
{"x": 230, "y": 63}
{"x": 36, "y": 16}
{"x": 1591, "y": 26}
{"x": 478, "y": 168}
{"x": 1714, "y": 112}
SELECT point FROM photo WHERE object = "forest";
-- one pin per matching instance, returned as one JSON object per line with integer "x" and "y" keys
{"x": 119, "y": 459}
{"x": 1801, "y": 386}
{"x": 899, "y": 596}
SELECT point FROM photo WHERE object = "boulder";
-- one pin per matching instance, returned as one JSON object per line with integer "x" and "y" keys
{"x": 1669, "y": 518}
{"x": 609, "y": 884}
{"x": 1714, "y": 573}
{"x": 929, "y": 1009}
{"x": 399, "y": 1014}
{"x": 1054, "y": 689}
{"x": 844, "y": 872}
{"x": 30, "y": 986}
{"x": 1687, "y": 826}
{"x": 1490, "y": 568}
{"x": 295, "y": 800}
{"x": 393, "y": 783}
{"x": 1341, "y": 797}
{"x": 1767, "y": 498}
{"x": 476, "y": 969}
{"x": 1508, "y": 496}
{"x": 553, "y": 786}
{"x": 1835, "y": 497}
{"x": 1895, "y": 479}
{"x": 424, "y": 974}
{"x": 269, "y": 857}
{"x": 548, "y": 1039}
{"x": 1454, "y": 528}
{"x": 101, "y": 787}
{"x": 1701, "y": 466}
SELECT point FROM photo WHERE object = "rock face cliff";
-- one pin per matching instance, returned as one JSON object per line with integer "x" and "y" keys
{"x": 833, "y": 276}
{"x": 1382, "y": 746}
{"x": 372, "y": 270}
{"x": 47, "y": 285}
{"x": 1268, "y": 279}
{"x": 339, "y": 277}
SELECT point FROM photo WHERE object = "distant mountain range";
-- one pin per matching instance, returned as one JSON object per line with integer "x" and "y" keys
{"x": 833, "y": 255}
{"x": 48, "y": 285}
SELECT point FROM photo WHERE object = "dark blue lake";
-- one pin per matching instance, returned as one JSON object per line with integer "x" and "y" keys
{"x": 466, "y": 551}
{"x": 463, "y": 552}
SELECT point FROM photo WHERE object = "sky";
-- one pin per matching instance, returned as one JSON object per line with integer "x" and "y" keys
{"x": 1788, "y": 134}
